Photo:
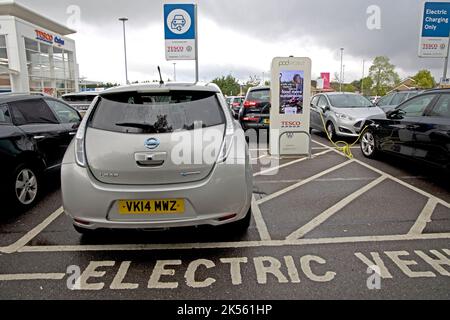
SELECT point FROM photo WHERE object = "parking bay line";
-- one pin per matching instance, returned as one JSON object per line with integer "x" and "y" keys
{"x": 263, "y": 172}
{"x": 424, "y": 217}
{"x": 31, "y": 276}
{"x": 321, "y": 218}
{"x": 297, "y": 185}
{"x": 32, "y": 233}
{"x": 259, "y": 220}
{"x": 232, "y": 245}
{"x": 403, "y": 183}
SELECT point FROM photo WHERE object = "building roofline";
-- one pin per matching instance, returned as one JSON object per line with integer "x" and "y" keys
{"x": 12, "y": 8}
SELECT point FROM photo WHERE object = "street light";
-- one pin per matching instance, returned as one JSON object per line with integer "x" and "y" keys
{"x": 174, "y": 72}
{"x": 125, "y": 47}
{"x": 342, "y": 71}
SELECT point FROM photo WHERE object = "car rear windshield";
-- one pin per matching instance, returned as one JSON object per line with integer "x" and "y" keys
{"x": 259, "y": 95}
{"x": 136, "y": 112}
{"x": 349, "y": 101}
{"x": 79, "y": 98}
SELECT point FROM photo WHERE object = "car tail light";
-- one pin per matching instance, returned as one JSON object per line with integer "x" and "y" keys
{"x": 80, "y": 153}
{"x": 250, "y": 119}
{"x": 236, "y": 104}
{"x": 249, "y": 104}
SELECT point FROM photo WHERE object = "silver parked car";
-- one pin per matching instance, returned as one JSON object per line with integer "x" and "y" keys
{"x": 158, "y": 156}
{"x": 80, "y": 100}
{"x": 343, "y": 113}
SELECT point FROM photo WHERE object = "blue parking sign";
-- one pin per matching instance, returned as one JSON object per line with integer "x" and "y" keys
{"x": 179, "y": 21}
{"x": 436, "y": 18}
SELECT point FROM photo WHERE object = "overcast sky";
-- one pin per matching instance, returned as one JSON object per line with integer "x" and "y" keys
{"x": 242, "y": 36}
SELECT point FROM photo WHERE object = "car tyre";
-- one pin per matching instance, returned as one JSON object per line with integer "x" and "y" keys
{"x": 369, "y": 145}
{"x": 25, "y": 186}
{"x": 331, "y": 130}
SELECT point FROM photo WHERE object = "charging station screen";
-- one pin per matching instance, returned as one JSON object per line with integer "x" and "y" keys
{"x": 291, "y": 91}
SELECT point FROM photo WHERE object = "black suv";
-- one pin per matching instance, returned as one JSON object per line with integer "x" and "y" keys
{"x": 35, "y": 132}
{"x": 255, "y": 111}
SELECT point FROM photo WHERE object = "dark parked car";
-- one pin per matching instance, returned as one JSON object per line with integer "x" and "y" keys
{"x": 34, "y": 134}
{"x": 392, "y": 100}
{"x": 255, "y": 111}
{"x": 419, "y": 129}
{"x": 235, "y": 105}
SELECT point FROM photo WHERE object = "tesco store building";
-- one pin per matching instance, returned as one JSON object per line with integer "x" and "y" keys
{"x": 35, "y": 54}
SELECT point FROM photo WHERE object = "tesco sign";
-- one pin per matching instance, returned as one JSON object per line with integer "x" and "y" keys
{"x": 47, "y": 37}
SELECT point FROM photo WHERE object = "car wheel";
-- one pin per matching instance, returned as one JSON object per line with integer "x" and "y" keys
{"x": 331, "y": 130}
{"x": 25, "y": 186}
{"x": 368, "y": 145}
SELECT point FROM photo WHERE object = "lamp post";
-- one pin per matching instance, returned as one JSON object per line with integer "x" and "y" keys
{"x": 342, "y": 71}
{"x": 125, "y": 48}
{"x": 174, "y": 72}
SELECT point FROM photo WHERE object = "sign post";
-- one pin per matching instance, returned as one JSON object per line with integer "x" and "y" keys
{"x": 180, "y": 32}
{"x": 290, "y": 99}
{"x": 434, "y": 32}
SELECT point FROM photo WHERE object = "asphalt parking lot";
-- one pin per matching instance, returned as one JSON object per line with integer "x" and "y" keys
{"x": 318, "y": 224}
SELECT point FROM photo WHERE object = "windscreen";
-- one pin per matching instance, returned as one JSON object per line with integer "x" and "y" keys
{"x": 136, "y": 112}
{"x": 259, "y": 95}
{"x": 79, "y": 98}
{"x": 349, "y": 101}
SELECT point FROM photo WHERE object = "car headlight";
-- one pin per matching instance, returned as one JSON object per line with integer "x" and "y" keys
{"x": 344, "y": 116}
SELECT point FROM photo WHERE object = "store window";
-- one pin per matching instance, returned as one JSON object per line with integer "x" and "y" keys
{"x": 5, "y": 80}
{"x": 50, "y": 69}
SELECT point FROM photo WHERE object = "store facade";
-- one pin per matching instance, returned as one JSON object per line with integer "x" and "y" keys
{"x": 35, "y": 53}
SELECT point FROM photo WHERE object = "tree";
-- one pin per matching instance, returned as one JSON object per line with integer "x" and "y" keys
{"x": 229, "y": 85}
{"x": 367, "y": 84}
{"x": 253, "y": 81}
{"x": 424, "y": 80}
{"x": 383, "y": 75}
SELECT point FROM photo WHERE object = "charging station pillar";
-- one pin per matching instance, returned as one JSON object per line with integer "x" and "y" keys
{"x": 290, "y": 111}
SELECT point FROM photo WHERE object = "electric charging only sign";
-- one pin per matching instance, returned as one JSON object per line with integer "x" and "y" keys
{"x": 180, "y": 31}
{"x": 434, "y": 39}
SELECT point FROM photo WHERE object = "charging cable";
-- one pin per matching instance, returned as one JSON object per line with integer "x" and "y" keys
{"x": 342, "y": 146}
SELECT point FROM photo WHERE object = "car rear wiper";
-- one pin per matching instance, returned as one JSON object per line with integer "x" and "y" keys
{"x": 140, "y": 125}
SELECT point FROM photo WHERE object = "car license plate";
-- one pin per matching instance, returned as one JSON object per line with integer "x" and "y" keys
{"x": 164, "y": 206}
{"x": 266, "y": 121}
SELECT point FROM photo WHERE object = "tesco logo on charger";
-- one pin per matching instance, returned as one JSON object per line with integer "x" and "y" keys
{"x": 291, "y": 124}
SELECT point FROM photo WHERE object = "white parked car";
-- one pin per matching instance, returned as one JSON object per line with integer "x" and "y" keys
{"x": 158, "y": 156}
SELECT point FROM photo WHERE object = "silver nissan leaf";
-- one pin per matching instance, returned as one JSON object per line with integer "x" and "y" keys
{"x": 158, "y": 156}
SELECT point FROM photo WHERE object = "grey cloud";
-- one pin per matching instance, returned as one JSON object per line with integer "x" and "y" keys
{"x": 331, "y": 23}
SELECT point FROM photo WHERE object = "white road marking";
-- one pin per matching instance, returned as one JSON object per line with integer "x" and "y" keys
{"x": 32, "y": 233}
{"x": 260, "y": 157}
{"x": 321, "y": 218}
{"x": 424, "y": 217}
{"x": 288, "y": 164}
{"x": 32, "y": 276}
{"x": 318, "y": 180}
{"x": 262, "y": 149}
{"x": 260, "y": 224}
{"x": 295, "y": 186}
{"x": 403, "y": 183}
{"x": 233, "y": 245}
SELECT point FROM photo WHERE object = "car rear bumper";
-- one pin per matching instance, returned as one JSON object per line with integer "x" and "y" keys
{"x": 93, "y": 205}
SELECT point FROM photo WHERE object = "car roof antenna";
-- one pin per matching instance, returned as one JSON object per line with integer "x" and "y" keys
{"x": 161, "y": 81}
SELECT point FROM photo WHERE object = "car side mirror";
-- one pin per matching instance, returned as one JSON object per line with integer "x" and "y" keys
{"x": 325, "y": 108}
{"x": 395, "y": 114}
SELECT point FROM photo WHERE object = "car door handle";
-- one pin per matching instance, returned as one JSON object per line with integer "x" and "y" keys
{"x": 72, "y": 133}
{"x": 412, "y": 126}
{"x": 39, "y": 137}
